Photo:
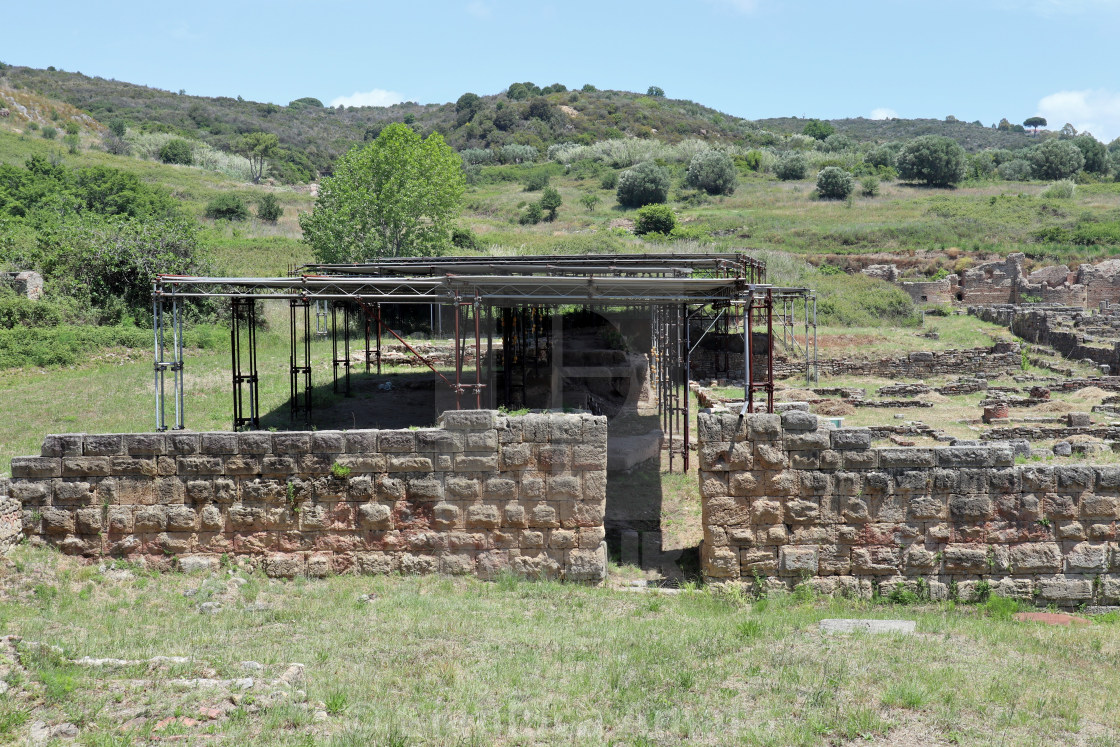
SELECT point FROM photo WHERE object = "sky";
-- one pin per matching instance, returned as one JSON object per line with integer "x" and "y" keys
{"x": 974, "y": 59}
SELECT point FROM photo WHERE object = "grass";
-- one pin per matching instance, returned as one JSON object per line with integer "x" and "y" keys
{"x": 435, "y": 661}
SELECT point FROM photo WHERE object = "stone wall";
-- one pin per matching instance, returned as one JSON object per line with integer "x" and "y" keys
{"x": 11, "y": 525}
{"x": 1072, "y": 331}
{"x": 27, "y": 283}
{"x": 479, "y": 495}
{"x": 998, "y": 360}
{"x": 785, "y": 498}
{"x": 933, "y": 291}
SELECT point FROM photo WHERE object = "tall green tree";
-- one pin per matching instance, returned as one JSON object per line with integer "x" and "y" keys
{"x": 257, "y": 147}
{"x": 936, "y": 160}
{"x": 396, "y": 196}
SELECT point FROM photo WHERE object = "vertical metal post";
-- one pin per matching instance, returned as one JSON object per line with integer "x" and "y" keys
{"x": 157, "y": 357}
{"x": 816, "y": 368}
{"x": 770, "y": 357}
{"x": 378, "y": 339}
{"x": 177, "y": 366}
{"x": 687, "y": 372}
{"x": 477, "y": 355}
{"x": 458, "y": 358}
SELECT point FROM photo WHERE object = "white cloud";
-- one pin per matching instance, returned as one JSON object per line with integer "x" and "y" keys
{"x": 738, "y": 6}
{"x": 376, "y": 97}
{"x": 478, "y": 9}
{"x": 883, "y": 113}
{"x": 1096, "y": 111}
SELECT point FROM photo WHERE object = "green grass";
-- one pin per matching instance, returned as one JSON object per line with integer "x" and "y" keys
{"x": 436, "y": 661}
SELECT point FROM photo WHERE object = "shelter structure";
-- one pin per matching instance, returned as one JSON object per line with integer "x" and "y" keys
{"x": 508, "y": 329}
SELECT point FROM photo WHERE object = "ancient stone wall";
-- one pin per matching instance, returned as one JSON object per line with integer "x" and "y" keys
{"x": 1000, "y": 359}
{"x": 481, "y": 494}
{"x": 933, "y": 291}
{"x": 11, "y": 526}
{"x": 786, "y": 499}
{"x": 1070, "y": 330}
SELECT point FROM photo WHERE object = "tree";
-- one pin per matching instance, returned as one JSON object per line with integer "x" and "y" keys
{"x": 305, "y": 101}
{"x": 466, "y": 107}
{"x": 539, "y": 108}
{"x": 257, "y": 146}
{"x": 792, "y": 166}
{"x": 1068, "y": 130}
{"x": 656, "y": 91}
{"x": 713, "y": 172}
{"x": 517, "y": 92}
{"x": 1056, "y": 159}
{"x": 815, "y": 128}
{"x": 1094, "y": 152}
{"x": 1034, "y": 123}
{"x": 644, "y": 184}
{"x": 550, "y": 202}
{"x": 833, "y": 183}
{"x": 655, "y": 219}
{"x": 227, "y": 206}
{"x": 396, "y": 196}
{"x": 589, "y": 200}
{"x": 936, "y": 160}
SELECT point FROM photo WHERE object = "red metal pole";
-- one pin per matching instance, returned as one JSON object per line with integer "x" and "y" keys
{"x": 770, "y": 358}
{"x": 477, "y": 357}
{"x": 458, "y": 360}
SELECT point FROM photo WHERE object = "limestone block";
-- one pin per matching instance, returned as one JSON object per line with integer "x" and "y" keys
{"x": 757, "y": 560}
{"x": 861, "y": 460}
{"x": 328, "y": 442}
{"x": 587, "y": 565}
{"x": 60, "y": 445}
{"x": 803, "y": 511}
{"x": 1075, "y": 477}
{"x": 766, "y": 427}
{"x": 1036, "y": 557}
{"x": 589, "y": 457}
{"x": 72, "y": 493}
{"x": 771, "y": 456}
{"x": 533, "y": 488}
{"x": 36, "y": 468}
{"x": 84, "y": 466}
{"x": 375, "y": 516}
{"x": 291, "y": 443}
{"x": 219, "y": 443}
{"x": 517, "y": 456}
{"x": 1057, "y": 506}
{"x": 1086, "y": 557}
{"x": 798, "y": 420}
{"x": 564, "y": 488}
{"x": 424, "y": 490}
{"x": 808, "y": 440}
{"x": 476, "y": 463}
{"x": 514, "y": 515}
{"x": 463, "y": 488}
{"x": 445, "y": 515}
{"x": 490, "y": 565}
{"x": 1102, "y": 506}
{"x": 796, "y": 560}
{"x": 179, "y": 444}
{"x": 721, "y": 562}
{"x": 483, "y": 516}
{"x": 499, "y": 488}
{"x": 906, "y": 458}
{"x": 284, "y": 565}
{"x": 1065, "y": 590}
{"x": 254, "y": 443}
{"x": 544, "y": 516}
{"x": 834, "y": 559}
{"x": 1078, "y": 420}
{"x": 964, "y": 558}
{"x": 741, "y": 484}
{"x": 554, "y": 457}
{"x": 970, "y": 507}
{"x": 730, "y": 511}
{"x": 875, "y": 560}
{"x": 377, "y": 563}
{"x": 88, "y": 520}
{"x": 181, "y": 519}
{"x": 847, "y": 439}
{"x": 103, "y": 444}
{"x": 469, "y": 420}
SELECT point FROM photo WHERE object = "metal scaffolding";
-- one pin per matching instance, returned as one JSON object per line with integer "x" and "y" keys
{"x": 521, "y": 301}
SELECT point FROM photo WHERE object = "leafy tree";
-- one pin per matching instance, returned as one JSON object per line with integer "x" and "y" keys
{"x": 656, "y": 91}
{"x": 537, "y": 181}
{"x": 72, "y": 143}
{"x": 118, "y": 127}
{"x": 869, "y": 186}
{"x": 71, "y": 128}
{"x": 396, "y": 196}
{"x": 1034, "y": 123}
{"x": 588, "y": 88}
{"x": 539, "y": 108}
{"x": 466, "y": 107}
{"x": 1094, "y": 152}
{"x": 1068, "y": 130}
{"x": 1004, "y": 125}
{"x": 1056, "y": 159}
{"x": 257, "y": 147}
{"x": 306, "y": 101}
{"x": 792, "y": 166}
{"x": 177, "y": 151}
{"x": 589, "y": 200}
{"x": 815, "y": 128}
{"x": 882, "y": 156}
{"x": 505, "y": 119}
{"x": 713, "y": 172}
{"x": 550, "y": 202}
{"x": 833, "y": 183}
{"x": 836, "y": 143}
{"x": 936, "y": 160}
{"x": 227, "y": 206}
{"x": 655, "y": 219}
{"x": 644, "y": 184}
{"x": 49, "y": 133}
{"x": 1015, "y": 170}
{"x": 517, "y": 92}
{"x": 268, "y": 208}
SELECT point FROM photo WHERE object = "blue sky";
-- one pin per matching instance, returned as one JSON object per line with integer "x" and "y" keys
{"x": 975, "y": 59}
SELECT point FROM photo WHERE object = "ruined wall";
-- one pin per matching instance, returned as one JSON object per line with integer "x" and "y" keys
{"x": 998, "y": 360}
{"x": 481, "y": 494}
{"x": 1070, "y": 330}
{"x": 785, "y": 498}
{"x": 11, "y": 526}
{"x": 933, "y": 291}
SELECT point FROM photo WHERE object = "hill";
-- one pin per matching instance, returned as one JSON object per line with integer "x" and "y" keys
{"x": 313, "y": 136}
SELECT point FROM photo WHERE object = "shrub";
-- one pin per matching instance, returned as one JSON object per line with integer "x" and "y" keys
{"x": 833, "y": 183}
{"x": 655, "y": 219}
{"x": 936, "y": 160}
{"x": 645, "y": 184}
{"x": 72, "y": 129}
{"x": 518, "y": 154}
{"x": 880, "y": 157}
{"x": 49, "y": 133}
{"x": 464, "y": 238}
{"x": 589, "y": 200}
{"x": 537, "y": 181}
{"x": 476, "y": 156}
{"x": 817, "y": 129}
{"x": 792, "y": 166}
{"x": 588, "y": 88}
{"x": 550, "y": 202}
{"x": 655, "y": 91}
{"x": 72, "y": 143}
{"x": 609, "y": 180}
{"x": 869, "y": 186}
{"x": 227, "y": 207}
{"x": 836, "y": 143}
{"x": 1059, "y": 190}
{"x": 268, "y": 208}
{"x": 177, "y": 151}
{"x": 1056, "y": 159}
{"x": 118, "y": 127}
{"x": 713, "y": 172}
{"x": 533, "y": 214}
{"x": 1017, "y": 170}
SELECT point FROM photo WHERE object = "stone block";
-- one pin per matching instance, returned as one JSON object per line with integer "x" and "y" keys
{"x": 875, "y": 561}
{"x": 360, "y": 442}
{"x": 544, "y": 516}
{"x": 291, "y": 443}
{"x": 179, "y": 444}
{"x": 144, "y": 444}
{"x": 564, "y": 488}
{"x": 36, "y": 468}
{"x": 468, "y": 420}
{"x": 848, "y": 439}
{"x": 796, "y": 560}
{"x": 60, "y": 445}
{"x": 1075, "y": 477}
{"x": 284, "y": 565}
{"x": 476, "y": 463}
{"x": 798, "y": 420}
{"x": 1078, "y": 420}
{"x": 219, "y": 443}
{"x": 861, "y": 460}
{"x": 499, "y": 488}
{"x": 515, "y": 515}
{"x": 85, "y": 466}
{"x": 483, "y": 516}
{"x": 906, "y": 458}
{"x": 587, "y": 565}
{"x": 328, "y": 442}
{"x": 424, "y": 490}
{"x": 1086, "y": 557}
{"x": 966, "y": 508}
{"x": 765, "y": 426}
{"x": 518, "y": 456}
{"x": 589, "y": 457}
{"x": 727, "y": 511}
{"x": 198, "y": 465}
{"x": 109, "y": 444}
{"x": 409, "y": 463}
{"x": 375, "y": 516}
{"x": 759, "y": 560}
{"x": 565, "y": 429}
{"x": 181, "y": 519}
{"x": 964, "y": 558}
{"x": 1036, "y": 557}
{"x": 377, "y": 563}
{"x": 808, "y": 440}
{"x": 1065, "y": 591}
